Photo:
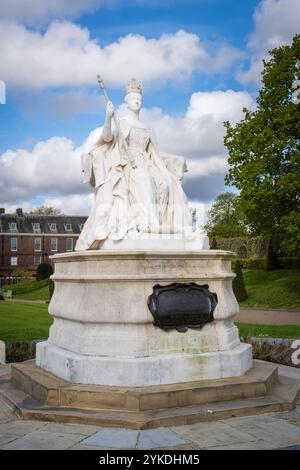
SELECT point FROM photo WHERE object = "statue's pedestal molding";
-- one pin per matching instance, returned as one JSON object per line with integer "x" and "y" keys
{"x": 103, "y": 331}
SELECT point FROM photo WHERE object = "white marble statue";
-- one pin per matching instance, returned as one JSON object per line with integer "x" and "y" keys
{"x": 137, "y": 189}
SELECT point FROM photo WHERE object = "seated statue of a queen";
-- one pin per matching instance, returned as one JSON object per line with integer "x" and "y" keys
{"x": 138, "y": 193}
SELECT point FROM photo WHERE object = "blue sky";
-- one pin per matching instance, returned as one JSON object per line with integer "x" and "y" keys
{"x": 199, "y": 62}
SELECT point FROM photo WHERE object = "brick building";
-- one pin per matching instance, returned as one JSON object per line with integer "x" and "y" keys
{"x": 26, "y": 240}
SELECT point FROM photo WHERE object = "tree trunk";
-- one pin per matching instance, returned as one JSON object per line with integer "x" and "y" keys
{"x": 272, "y": 261}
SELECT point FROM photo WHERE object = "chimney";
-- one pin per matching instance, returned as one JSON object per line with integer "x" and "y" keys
{"x": 19, "y": 212}
{"x": 2, "y": 210}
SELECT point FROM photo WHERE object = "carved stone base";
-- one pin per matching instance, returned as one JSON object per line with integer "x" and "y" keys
{"x": 136, "y": 372}
{"x": 103, "y": 331}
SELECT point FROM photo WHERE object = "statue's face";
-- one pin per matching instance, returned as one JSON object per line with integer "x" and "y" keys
{"x": 134, "y": 101}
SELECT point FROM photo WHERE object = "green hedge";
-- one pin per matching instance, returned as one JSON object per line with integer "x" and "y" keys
{"x": 252, "y": 263}
{"x": 26, "y": 286}
{"x": 259, "y": 263}
{"x": 290, "y": 263}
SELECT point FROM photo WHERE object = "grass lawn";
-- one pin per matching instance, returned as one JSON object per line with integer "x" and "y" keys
{"x": 274, "y": 289}
{"x": 37, "y": 294}
{"x": 27, "y": 321}
{"x": 23, "y": 321}
{"x": 271, "y": 331}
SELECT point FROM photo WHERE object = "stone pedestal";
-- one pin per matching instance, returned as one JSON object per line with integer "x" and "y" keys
{"x": 103, "y": 331}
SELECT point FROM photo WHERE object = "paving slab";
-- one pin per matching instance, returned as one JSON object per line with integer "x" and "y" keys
{"x": 6, "y": 412}
{"x": 278, "y": 432}
{"x": 156, "y": 438}
{"x": 84, "y": 429}
{"x": 259, "y": 445}
{"x": 292, "y": 417}
{"x": 290, "y": 448}
{"x": 291, "y": 372}
{"x": 83, "y": 447}
{"x": 132, "y": 439}
{"x": 116, "y": 438}
{"x": 39, "y": 440}
{"x": 4, "y": 369}
{"x": 189, "y": 446}
{"x": 5, "y": 439}
{"x": 213, "y": 434}
{"x": 19, "y": 427}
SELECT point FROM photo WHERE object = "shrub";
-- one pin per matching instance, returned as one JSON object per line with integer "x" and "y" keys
{"x": 251, "y": 263}
{"x": 22, "y": 273}
{"x": 19, "y": 351}
{"x": 280, "y": 354}
{"x": 44, "y": 271}
{"x": 290, "y": 263}
{"x": 1, "y": 297}
{"x": 51, "y": 288}
{"x": 238, "y": 284}
{"x": 213, "y": 245}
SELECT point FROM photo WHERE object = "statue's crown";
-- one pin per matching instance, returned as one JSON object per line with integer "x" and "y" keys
{"x": 133, "y": 86}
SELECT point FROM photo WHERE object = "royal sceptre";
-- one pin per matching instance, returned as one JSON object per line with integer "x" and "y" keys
{"x": 117, "y": 123}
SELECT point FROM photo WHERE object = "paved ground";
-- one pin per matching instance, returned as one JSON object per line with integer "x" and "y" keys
{"x": 268, "y": 316}
{"x": 271, "y": 431}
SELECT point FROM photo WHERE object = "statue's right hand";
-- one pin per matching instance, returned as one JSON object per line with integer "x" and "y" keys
{"x": 109, "y": 109}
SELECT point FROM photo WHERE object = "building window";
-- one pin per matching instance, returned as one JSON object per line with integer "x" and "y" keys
{"x": 37, "y": 260}
{"x": 13, "y": 226}
{"x": 69, "y": 244}
{"x": 36, "y": 227}
{"x": 53, "y": 228}
{"x": 13, "y": 244}
{"x": 53, "y": 244}
{"x": 37, "y": 244}
{"x": 68, "y": 227}
{"x": 81, "y": 227}
{"x": 14, "y": 261}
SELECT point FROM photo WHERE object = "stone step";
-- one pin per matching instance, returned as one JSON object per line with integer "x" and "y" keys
{"x": 283, "y": 397}
{"x": 142, "y": 420}
{"x": 53, "y": 391}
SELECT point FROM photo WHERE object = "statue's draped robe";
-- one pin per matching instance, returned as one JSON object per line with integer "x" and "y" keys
{"x": 121, "y": 198}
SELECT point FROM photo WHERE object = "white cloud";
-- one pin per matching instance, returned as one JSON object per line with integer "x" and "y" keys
{"x": 39, "y": 11}
{"x": 52, "y": 167}
{"x": 275, "y": 24}
{"x": 51, "y": 170}
{"x": 73, "y": 204}
{"x": 199, "y": 134}
{"x": 66, "y": 55}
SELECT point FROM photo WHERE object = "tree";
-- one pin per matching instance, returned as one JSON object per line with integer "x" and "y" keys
{"x": 194, "y": 217}
{"x": 44, "y": 271}
{"x": 19, "y": 272}
{"x": 264, "y": 153}
{"x": 46, "y": 210}
{"x": 238, "y": 285}
{"x": 224, "y": 219}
